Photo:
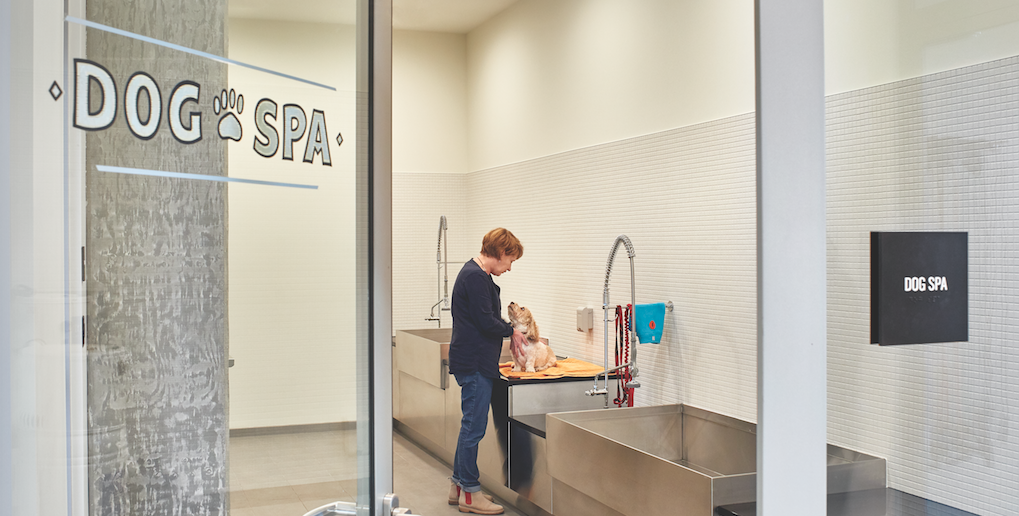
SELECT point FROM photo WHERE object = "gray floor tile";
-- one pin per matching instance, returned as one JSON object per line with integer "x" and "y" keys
{"x": 291, "y": 474}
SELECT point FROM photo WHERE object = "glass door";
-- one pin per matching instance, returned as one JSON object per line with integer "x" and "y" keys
{"x": 224, "y": 284}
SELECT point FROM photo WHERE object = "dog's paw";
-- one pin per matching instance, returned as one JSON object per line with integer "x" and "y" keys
{"x": 531, "y": 370}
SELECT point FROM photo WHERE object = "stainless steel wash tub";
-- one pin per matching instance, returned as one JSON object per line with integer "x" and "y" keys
{"x": 674, "y": 460}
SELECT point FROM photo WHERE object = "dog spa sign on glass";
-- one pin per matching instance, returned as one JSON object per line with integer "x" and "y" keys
{"x": 918, "y": 288}
{"x": 96, "y": 105}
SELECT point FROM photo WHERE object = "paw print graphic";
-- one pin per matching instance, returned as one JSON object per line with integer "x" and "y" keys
{"x": 229, "y": 125}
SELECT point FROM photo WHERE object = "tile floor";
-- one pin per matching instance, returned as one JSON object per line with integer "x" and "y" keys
{"x": 291, "y": 474}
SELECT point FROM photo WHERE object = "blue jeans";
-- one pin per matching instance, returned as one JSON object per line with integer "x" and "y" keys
{"x": 475, "y": 397}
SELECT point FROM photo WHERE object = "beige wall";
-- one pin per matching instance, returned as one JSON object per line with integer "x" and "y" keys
{"x": 291, "y": 251}
{"x": 872, "y": 42}
{"x": 291, "y": 290}
{"x": 429, "y": 102}
{"x": 546, "y": 77}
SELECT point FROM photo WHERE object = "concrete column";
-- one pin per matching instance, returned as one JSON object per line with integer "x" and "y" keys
{"x": 156, "y": 276}
{"x": 791, "y": 388}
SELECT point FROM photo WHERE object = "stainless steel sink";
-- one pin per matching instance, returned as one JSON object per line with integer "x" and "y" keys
{"x": 669, "y": 460}
{"x": 440, "y": 335}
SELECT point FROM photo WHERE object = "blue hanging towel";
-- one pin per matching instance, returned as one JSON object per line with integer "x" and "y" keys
{"x": 649, "y": 321}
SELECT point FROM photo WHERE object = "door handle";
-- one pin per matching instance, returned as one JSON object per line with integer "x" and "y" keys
{"x": 390, "y": 505}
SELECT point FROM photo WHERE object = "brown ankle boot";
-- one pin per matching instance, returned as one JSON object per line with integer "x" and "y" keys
{"x": 478, "y": 503}
{"x": 454, "y": 494}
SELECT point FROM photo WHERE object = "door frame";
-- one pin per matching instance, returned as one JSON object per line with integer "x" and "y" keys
{"x": 375, "y": 68}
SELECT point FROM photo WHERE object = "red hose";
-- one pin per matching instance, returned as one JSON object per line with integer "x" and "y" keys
{"x": 624, "y": 396}
{"x": 627, "y": 375}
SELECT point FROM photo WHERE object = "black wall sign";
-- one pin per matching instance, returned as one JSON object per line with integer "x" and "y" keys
{"x": 918, "y": 288}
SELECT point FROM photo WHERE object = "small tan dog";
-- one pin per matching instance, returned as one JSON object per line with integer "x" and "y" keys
{"x": 537, "y": 356}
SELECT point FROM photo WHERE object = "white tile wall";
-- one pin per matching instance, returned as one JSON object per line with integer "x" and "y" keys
{"x": 419, "y": 199}
{"x": 934, "y": 153}
{"x": 686, "y": 200}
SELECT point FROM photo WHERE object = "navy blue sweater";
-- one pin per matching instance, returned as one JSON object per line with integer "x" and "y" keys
{"x": 478, "y": 327}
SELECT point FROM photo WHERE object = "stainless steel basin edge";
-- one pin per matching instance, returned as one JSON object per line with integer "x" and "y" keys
{"x": 620, "y": 476}
{"x": 674, "y": 459}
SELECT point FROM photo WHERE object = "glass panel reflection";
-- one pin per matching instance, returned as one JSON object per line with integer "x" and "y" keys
{"x": 220, "y": 245}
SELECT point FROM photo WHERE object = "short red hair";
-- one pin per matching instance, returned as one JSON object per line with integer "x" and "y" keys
{"x": 499, "y": 242}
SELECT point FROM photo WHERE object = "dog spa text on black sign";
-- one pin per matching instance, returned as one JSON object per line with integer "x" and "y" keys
{"x": 918, "y": 288}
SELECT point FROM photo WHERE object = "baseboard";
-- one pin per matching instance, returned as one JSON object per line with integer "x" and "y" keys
{"x": 293, "y": 429}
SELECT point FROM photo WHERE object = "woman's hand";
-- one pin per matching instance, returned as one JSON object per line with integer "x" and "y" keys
{"x": 517, "y": 343}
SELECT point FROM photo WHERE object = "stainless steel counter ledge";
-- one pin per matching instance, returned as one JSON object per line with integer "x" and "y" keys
{"x": 872, "y": 502}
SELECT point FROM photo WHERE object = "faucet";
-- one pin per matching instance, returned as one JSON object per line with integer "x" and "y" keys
{"x": 442, "y": 285}
{"x": 632, "y": 364}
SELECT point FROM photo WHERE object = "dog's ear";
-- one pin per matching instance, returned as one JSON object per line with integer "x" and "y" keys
{"x": 532, "y": 331}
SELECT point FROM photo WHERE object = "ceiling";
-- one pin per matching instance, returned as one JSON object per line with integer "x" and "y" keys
{"x": 456, "y": 16}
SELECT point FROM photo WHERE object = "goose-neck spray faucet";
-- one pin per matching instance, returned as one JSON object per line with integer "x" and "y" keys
{"x": 632, "y": 364}
{"x": 442, "y": 281}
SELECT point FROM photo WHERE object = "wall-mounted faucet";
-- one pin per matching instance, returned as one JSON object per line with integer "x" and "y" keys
{"x": 632, "y": 364}
{"x": 442, "y": 285}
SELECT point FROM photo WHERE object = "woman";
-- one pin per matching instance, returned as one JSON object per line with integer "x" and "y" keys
{"x": 474, "y": 350}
